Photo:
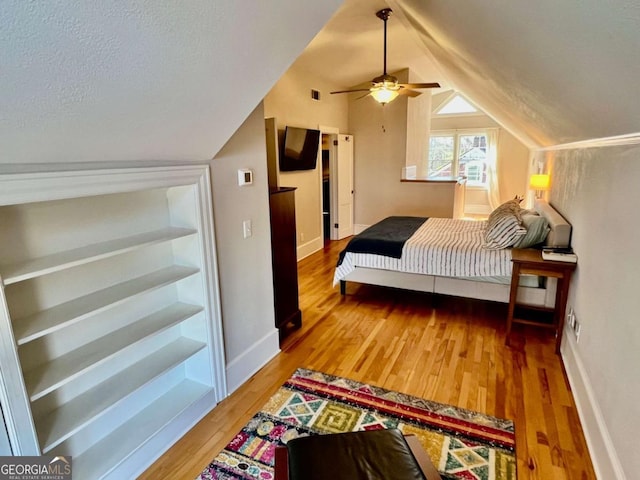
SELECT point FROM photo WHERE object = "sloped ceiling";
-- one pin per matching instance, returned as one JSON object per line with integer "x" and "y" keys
{"x": 550, "y": 71}
{"x": 149, "y": 80}
{"x": 553, "y": 71}
{"x": 103, "y": 80}
{"x": 349, "y": 50}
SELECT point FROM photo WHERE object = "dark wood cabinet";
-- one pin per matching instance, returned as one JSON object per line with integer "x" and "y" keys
{"x": 284, "y": 258}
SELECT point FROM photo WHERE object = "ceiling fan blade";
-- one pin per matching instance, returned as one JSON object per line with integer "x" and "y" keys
{"x": 420, "y": 85}
{"x": 386, "y": 81}
{"x": 354, "y": 90}
{"x": 408, "y": 92}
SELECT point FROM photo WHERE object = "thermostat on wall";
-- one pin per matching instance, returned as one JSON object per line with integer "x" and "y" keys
{"x": 245, "y": 176}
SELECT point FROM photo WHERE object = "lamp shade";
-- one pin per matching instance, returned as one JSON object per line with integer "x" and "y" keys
{"x": 383, "y": 94}
{"x": 539, "y": 181}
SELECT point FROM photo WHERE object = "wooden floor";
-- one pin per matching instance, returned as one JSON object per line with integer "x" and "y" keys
{"x": 441, "y": 348}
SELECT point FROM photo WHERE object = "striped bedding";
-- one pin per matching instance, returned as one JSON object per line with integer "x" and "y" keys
{"x": 441, "y": 246}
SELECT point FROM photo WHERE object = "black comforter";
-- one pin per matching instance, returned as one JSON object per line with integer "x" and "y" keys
{"x": 386, "y": 237}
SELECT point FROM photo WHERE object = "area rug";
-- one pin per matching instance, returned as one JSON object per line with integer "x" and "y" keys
{"x": 462, "y": 444}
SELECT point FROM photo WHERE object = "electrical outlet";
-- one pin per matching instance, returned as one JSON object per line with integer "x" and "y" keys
{"x": 571, "y": 318}
{"x": 574, "y": 324}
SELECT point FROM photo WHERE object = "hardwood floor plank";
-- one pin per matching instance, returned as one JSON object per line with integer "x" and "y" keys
{"x": 445, "y": 349}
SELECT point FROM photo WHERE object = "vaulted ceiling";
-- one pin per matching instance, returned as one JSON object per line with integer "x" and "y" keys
{"x": 96, "y": 80}
{"x": 551, "y": 72}
{"x": 148, "y": 80}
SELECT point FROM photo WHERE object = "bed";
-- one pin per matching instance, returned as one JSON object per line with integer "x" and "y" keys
{"x": 451, "y": 256}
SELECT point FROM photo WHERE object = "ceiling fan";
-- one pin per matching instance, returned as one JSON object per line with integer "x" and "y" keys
{"x": 386, "y": 88}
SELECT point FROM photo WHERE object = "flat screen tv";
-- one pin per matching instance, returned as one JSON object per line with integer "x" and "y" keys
{"x": 300, "y": 149}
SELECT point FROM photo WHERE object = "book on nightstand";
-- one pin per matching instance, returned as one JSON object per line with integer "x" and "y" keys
{"x": 559, "y": 254}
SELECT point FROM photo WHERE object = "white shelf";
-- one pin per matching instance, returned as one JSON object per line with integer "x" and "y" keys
{"x": 114, "y": 448}
{"x": 47, "y": 321}
{"x": 46, "y": 378}
{"x": 114, "y": 341}
{"x": 55, "y": 427}
{"x": 90, "y": 253}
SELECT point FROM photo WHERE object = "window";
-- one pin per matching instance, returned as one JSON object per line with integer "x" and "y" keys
{"x": 457, "y": 105}
{"x": 453, "y": 154}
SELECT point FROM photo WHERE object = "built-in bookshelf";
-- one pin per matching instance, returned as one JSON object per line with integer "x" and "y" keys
{"x": 111, "y": 334}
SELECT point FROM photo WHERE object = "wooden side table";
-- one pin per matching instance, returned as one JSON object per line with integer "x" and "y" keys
{"x": 529, "y": 261}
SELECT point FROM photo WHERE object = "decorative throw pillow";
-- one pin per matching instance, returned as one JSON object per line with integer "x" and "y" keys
{"x": 537, "y": 230}
{"x": 504, "y": 226}
{"x": 505, "y": 232}
{"x": 512, "y": 206}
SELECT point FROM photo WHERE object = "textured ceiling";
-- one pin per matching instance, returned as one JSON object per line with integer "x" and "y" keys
{"x": 96, "y": 80}
{"x": 148, "y": 80}
{"x": 349, "y": 50}
{"x": 551, "y": 72}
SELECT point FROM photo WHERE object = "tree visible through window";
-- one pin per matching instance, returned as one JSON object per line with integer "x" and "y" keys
{"x": 458, "y": 154}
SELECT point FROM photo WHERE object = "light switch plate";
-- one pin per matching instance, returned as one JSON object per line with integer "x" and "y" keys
{"x": 246, "y": 228}
{"x": 245, "y": 177}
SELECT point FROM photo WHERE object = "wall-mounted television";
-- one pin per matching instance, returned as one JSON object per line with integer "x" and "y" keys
{"x": 299, "y": 149}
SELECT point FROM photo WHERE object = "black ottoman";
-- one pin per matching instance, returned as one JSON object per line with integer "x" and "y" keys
{"x": 368, "y": 455}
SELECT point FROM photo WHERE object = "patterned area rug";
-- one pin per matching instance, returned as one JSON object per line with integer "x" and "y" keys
{"x": 462, "y": 444}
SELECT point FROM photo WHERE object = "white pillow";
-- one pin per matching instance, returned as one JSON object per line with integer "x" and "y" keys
{"x": 537, "y": 231}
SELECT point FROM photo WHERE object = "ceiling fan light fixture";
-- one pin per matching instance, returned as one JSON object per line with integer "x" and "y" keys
{"x": 384, "y": 94}
{"x": 385, "y": 91}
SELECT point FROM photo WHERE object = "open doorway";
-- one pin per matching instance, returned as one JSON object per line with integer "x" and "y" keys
{"x": 337, "y": 184}
{"x": 327, "y": 141}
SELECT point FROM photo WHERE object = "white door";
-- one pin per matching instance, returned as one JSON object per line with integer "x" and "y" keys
{"x": 342, "y": 176}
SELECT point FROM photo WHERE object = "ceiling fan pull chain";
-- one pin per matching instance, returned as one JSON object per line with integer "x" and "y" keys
{"x": 384, "y": 116}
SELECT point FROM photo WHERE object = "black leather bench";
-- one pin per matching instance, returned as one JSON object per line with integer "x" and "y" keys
{"x": 366, "y": 455}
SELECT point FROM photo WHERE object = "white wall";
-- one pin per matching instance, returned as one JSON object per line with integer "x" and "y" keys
{"x": 244, "y": 263}
{"x": 383, "y": 138}
{"x": 596, "y": 190}
{"x": 289, "y": 101}
{"x": 418, "y": 126}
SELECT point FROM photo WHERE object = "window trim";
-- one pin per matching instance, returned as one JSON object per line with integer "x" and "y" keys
{"x": 436, "y": 111}
{"x": 456, "y": 133}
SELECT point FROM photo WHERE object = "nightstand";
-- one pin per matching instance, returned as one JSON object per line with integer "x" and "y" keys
{"x": 529, "y": 261}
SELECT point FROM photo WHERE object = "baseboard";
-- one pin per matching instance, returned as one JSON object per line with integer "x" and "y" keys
{"x": 240, "y": 369}
{"x": 603, "y": 454}
{"x": 308, "y": 248}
